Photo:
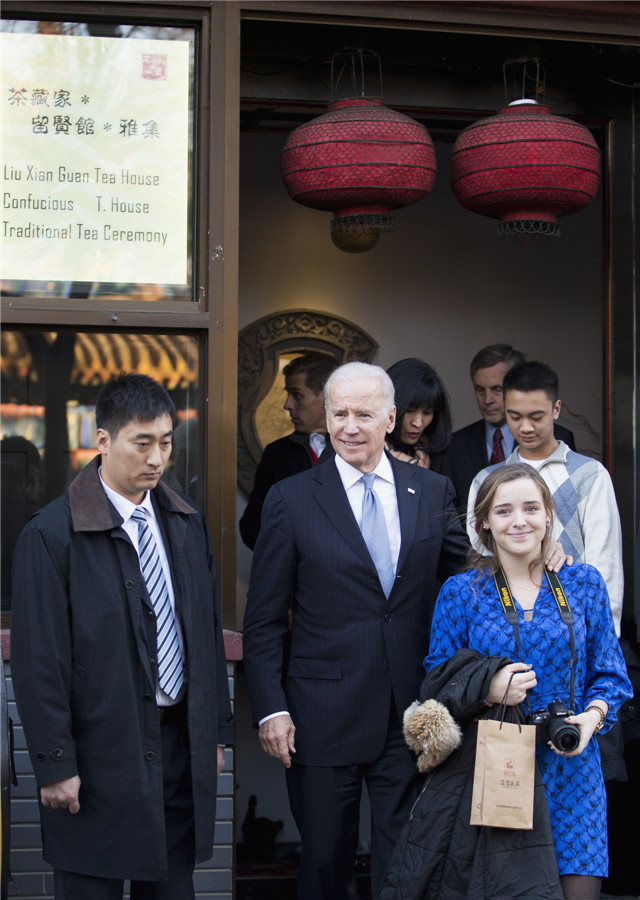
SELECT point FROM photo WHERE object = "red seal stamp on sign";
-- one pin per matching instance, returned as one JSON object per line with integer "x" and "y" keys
{"x": 154, "y": 66}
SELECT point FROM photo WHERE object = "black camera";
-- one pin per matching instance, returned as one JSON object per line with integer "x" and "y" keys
{"x": 551, "y": 725}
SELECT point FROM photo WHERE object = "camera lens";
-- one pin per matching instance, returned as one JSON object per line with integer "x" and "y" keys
{"x": 564, "y": 736}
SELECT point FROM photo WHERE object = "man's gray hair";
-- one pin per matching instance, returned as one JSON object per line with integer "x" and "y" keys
{"x": 353, "y": 370}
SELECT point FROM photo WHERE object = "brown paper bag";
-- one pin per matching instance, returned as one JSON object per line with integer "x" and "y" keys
{"x": 504, "y": 775}
{"x": 478, "y": 776}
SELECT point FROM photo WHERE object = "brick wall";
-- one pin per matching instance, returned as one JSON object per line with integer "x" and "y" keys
{"x": 32, "y": 877}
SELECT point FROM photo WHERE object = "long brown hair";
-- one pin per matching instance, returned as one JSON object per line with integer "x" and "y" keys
{"x": 484, "y": 502}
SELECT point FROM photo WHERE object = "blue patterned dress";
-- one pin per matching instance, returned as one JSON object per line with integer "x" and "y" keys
{"x": 469, "y": 614}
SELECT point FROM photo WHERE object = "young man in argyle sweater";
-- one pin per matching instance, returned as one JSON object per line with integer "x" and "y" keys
{"x": 587, "y": 522}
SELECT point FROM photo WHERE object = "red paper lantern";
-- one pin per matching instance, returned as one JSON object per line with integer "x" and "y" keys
{"x": 525, "y": 166}
{"x": 361, "y": 160}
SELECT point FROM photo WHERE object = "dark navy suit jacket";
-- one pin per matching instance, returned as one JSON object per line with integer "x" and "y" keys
{"x": 352, "y": 649}
{"x": 282, "y": 458}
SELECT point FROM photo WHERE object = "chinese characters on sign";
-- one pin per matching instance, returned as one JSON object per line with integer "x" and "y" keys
{"x": 94, "y": 159}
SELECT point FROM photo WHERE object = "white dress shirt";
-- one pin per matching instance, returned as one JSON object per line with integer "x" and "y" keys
{"x": 317, "y": 442}
{"x": 507, "y": 439}
{"x": 385, "y": 487}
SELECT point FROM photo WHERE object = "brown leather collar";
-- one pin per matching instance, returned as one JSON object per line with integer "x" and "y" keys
{"x": 91, "y": 510}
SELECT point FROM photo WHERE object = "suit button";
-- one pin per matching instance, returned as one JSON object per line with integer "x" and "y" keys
{"x": 387, "y": 618}
{"x": 128, "y": 585}
{"x": 149, "y": 756}
{"x": 374, "y": 579}
{"x": 147, "y": 698}
{"x": 230, "y": 718}
{"x": 56, "y": 753}
{"x": 150, "y": 614}
{"x": 152, "y": 660}
{"x": 385, "y": 662}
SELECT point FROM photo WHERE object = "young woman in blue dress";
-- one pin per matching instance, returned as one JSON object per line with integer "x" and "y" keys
{"x": 423, "y": 414}
{"x": 514, "y": 517}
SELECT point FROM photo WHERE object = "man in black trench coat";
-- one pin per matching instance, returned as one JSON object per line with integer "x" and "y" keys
{"x": 126, "y": 769}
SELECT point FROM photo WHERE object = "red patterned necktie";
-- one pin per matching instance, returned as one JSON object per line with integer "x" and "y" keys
{"x": 498, "y": 453}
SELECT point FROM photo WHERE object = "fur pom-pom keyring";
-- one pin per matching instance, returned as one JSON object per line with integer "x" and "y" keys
{"x": 430, "y": 731}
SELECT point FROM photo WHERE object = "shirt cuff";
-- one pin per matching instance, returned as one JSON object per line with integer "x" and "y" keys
{"x": 284, "y": 712}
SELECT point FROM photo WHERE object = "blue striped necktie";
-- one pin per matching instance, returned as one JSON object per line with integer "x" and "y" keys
{"x": 170, "y": 674}
{"x": 375, "y": 534}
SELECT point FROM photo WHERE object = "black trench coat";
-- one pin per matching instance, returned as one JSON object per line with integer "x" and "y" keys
{"x": 82, "y": 649}
{"x": 439, "y": 856}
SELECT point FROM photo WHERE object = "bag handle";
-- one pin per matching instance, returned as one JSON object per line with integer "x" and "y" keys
{"x": 515, "y": 719}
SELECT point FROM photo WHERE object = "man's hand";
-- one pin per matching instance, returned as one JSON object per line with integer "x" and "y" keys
{"x": 277, "y": 738}
{"x": 556, "y": 557}
{"x": 62, "y": 794}
{"x": 220, "y": 759}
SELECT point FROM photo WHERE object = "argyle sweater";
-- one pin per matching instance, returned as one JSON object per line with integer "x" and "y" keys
{"x": 586, "y": 520}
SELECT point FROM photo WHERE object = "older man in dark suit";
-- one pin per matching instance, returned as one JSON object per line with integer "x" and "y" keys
{"x": 487, "y": 441}
{"x": 362, "y": 558}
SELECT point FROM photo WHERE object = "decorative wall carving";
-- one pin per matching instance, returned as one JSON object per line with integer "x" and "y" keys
{"x": 260, "y": 346}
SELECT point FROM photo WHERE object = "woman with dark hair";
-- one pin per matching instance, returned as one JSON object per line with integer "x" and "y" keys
{"x": 423, "y": 414}
{"x": 557, "y": 661}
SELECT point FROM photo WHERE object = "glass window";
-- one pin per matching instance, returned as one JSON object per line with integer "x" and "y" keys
{"x": 97, "y": 148}
{"x": 50, "y": 381}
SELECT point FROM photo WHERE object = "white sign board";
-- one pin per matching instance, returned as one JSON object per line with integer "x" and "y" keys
{"x": 95, "y": 135}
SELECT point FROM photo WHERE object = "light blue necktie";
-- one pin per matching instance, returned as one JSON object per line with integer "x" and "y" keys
{"x": 170, "y": 674}
{"x": 375, "y": 534}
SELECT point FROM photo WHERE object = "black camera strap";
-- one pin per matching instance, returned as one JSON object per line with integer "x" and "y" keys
{"x": 511, "y": 615}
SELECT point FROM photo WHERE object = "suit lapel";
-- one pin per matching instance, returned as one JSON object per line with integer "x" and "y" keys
{"x": 173, "y": 529}
{"x": 331, "y": 497}
{"x": 329, "y": 493}
{"x": 480, "y": 446}
{"x": 409, "y": 491}
{"x": 126, "y": 555}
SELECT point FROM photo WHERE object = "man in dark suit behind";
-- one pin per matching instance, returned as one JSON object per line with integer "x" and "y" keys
{"x": 333, "y": 711}
{"x": 304, "y": 380}
{"x": 487, "y": 441}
